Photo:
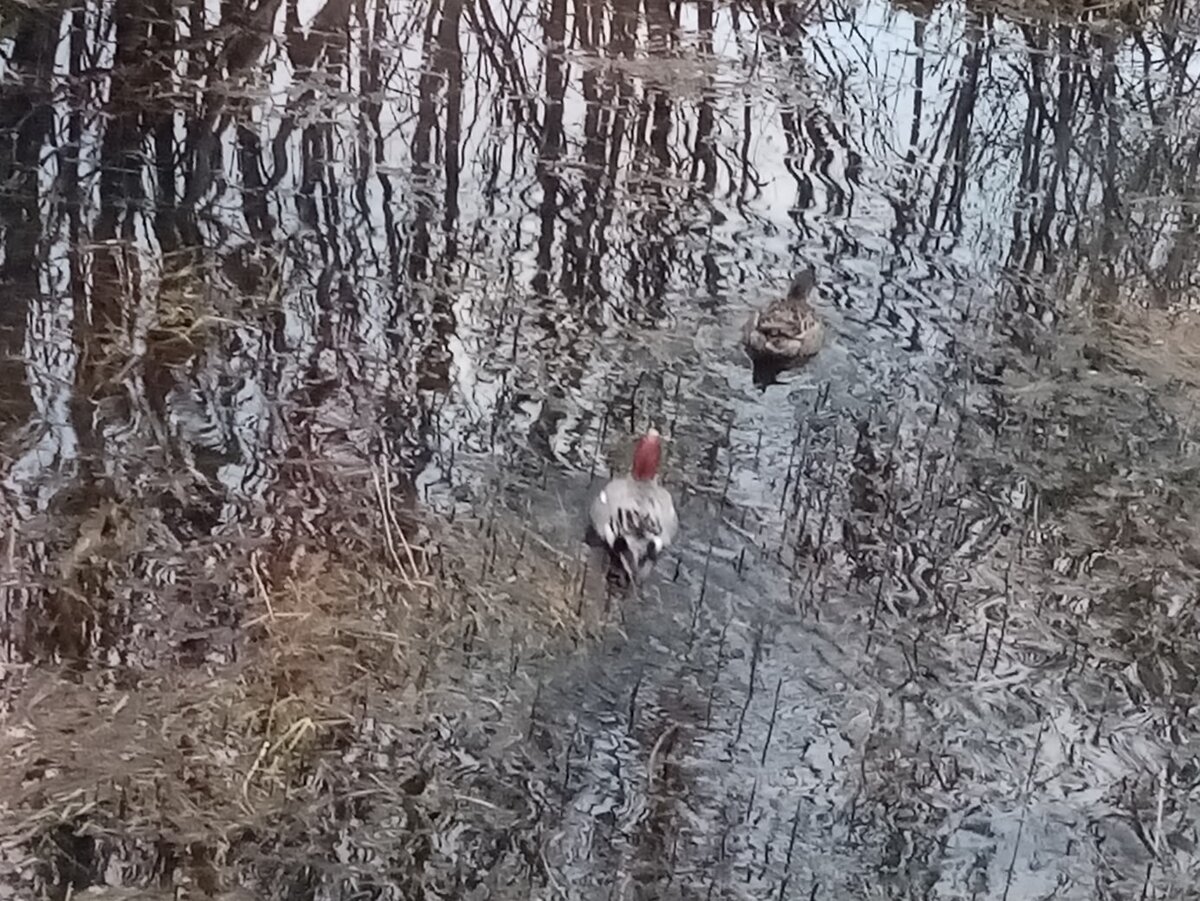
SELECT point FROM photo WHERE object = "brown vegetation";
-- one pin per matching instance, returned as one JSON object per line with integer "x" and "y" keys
{"x": 324, "y": 709}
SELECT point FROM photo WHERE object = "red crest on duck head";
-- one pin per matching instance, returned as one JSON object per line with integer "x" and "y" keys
{"x": 646, "y": 454}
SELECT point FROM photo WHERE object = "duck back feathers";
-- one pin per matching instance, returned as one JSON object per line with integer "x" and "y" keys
{"x": 634, "y": 515}
{"x": 786, "y": 330}
{"x": 636, "y": 520}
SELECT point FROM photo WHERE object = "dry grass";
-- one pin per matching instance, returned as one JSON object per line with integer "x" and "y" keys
{"x": 1164, "y": 344}
{"x": 321, "y": 650}
{"x": 344, "y": 653}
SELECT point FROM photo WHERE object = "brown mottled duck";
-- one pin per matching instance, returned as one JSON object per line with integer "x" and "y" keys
{"x": 787, "y": 331}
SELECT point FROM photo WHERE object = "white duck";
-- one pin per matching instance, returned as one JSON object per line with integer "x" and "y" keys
{"x": 634, "y": 515}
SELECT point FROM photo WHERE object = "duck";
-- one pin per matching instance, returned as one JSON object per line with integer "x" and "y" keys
{"x": 633, "y": 515}
{"x": 787, "y": 331}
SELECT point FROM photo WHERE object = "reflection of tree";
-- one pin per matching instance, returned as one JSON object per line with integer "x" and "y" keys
{"x": 25, "y": 125}
{"x": 550, "y": 151}
{"x": 443, "y": 67}
{"x": 25, "y": 122}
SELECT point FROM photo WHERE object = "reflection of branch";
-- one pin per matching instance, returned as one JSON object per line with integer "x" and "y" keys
{"x": 959, "y": 139}
{"x": 451, "y": 54}
{"x": 703, "y": 153}
{"x": 551, "y": 147}
{"x": 422, "y": 146}
{"x": 374, "y": 82}
{"x": 508, "y": 70}
{"x": 442, "y": 64}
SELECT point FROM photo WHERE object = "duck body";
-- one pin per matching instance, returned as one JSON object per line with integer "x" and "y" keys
{"x": 634, "y": 516}
{"x": 787, "y": 331}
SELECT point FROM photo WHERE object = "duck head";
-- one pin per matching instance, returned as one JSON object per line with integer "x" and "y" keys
{"x": 646, "y": 456}
{"x": 802, "y": 285}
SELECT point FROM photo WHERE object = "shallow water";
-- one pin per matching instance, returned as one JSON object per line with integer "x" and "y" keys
{"x": 930, "y": 628}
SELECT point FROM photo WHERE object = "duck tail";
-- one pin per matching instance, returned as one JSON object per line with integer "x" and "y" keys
{"x": 635, "y": 557}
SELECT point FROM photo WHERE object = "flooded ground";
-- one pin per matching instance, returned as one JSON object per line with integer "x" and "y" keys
{"x": 321, "y": 323}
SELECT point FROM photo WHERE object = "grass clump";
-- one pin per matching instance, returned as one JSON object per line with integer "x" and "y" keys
{"x": 331, "y": 732}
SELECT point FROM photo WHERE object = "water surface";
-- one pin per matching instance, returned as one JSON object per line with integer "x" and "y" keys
{"x": 322, "y": 322}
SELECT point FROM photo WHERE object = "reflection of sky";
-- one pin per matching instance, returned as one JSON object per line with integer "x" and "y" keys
{"x": 753, "y": 239}
{"x": 852, "y": 80}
